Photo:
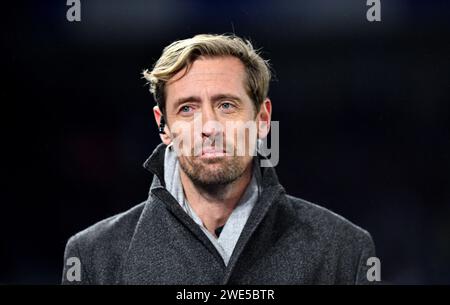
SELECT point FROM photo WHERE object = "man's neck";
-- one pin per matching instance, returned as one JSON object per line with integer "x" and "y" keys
{"x": 214, "y": 204}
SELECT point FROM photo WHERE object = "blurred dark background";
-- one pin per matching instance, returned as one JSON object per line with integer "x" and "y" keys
{"x": 363, "y": 110}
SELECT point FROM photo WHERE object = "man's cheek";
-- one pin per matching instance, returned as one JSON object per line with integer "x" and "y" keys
{"x": 185, "y": 138}
{"x": 181, "y": 143}
{"x": 243, "y": 136}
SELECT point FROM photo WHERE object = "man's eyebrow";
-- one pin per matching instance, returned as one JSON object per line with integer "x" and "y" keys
{"x": 183, "y": 100}
{"x": 219, "y": 97}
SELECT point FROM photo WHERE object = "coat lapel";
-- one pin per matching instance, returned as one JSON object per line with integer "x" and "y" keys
{"x": 271, "y": 192}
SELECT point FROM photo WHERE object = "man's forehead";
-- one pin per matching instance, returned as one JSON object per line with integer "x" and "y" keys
{"x": 214, "y": 73}
{"x": 211, "y": 68}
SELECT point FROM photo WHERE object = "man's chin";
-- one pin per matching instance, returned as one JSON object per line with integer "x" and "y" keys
{"x": 212, "y": 170}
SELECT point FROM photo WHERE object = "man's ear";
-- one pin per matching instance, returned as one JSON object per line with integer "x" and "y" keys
{"x": 263, "y": 118}
{"x": 165, "y": 137}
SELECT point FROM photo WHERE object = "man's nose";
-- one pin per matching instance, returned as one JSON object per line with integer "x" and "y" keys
{"x": 210, "y": 126}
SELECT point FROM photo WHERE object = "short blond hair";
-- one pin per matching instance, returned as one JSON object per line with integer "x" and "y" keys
{"x": 182, "y": 53}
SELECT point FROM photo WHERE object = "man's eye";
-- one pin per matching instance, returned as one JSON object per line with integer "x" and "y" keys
{"x": 227, "y": 106}
{"x": 185, "y": 109}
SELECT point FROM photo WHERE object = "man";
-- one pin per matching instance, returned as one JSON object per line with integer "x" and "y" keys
{"x": 214, "y": 215}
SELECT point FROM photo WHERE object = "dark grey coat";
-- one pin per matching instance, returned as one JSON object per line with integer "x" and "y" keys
{"x": 286, "y": 240}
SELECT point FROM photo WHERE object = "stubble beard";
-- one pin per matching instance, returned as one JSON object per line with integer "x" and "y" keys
{"x": 213, "y": 172}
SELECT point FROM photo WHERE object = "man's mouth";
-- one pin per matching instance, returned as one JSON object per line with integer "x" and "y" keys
{"x": 210, "y": 152}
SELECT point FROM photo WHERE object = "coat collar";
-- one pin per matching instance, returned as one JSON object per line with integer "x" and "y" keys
{"x": 137, "y": 250}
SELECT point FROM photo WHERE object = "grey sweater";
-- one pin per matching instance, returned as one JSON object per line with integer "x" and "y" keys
{"x": 286, "y": 240}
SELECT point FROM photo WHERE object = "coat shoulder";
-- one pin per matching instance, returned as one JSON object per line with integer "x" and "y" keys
{"x": 339, "y": 247}
{"x": 327, "y": 223}
{"x": 117, "y": 227}
{"x": 103, "y": 245}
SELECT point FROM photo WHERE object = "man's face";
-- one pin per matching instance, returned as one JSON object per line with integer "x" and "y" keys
{"x": 199, "y": 107}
